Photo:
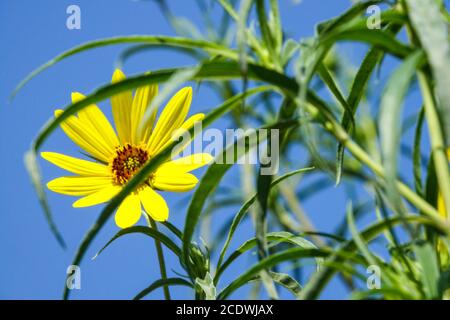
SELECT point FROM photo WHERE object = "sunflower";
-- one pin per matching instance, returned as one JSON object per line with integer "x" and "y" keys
{"x": 118, "y": 157}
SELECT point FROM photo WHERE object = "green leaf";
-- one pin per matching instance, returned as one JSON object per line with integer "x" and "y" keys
{"x": 207, "y": 46}
{"x": 417, "y": 165}
{"x": 378, "y": 38}
{"x": 320, "y": 279}
{"x": 266, "y": 32}
{"x": 290, "y": 47}
{"x": 427, "y": 258}
{"x": 274, "y": 238}
{"x": 162, "y": 283}
{"x": 357, "y": 237}
{"x": 390, "y": 123}
{"x": 206, "y": 186}
{"x": 433, "y": 33}
{"x": 246, "y": 206}
{"x": 36, "y": 178}
{"x": 146, "y": 231}
{"x": 342, "y": 20}
{"x": 371, "y": 60}
{"x": 270, "y": 261}
{"x": 276, "y": 26}
{"x": 284, "y": 280}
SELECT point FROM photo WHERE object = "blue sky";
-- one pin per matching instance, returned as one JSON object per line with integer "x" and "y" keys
{"x": 32, "y": 264}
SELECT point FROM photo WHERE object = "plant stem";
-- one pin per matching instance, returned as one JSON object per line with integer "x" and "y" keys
{"x": 437, "y": 142}
{"x": 363, "y": 157}
{"x": 159, "y": 250}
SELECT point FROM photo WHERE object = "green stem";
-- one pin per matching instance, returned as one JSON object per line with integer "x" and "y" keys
{"x": 437, "y": 142}
{"x": 159, "y": 250}
{"x": 363, "y": 157}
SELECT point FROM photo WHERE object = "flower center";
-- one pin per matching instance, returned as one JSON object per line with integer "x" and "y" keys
{"x": 128, "y": 160}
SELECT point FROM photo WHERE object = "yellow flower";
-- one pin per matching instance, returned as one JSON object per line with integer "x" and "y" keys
{"x": 119, "y": 156}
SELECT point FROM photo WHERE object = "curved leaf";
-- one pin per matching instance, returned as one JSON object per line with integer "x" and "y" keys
{"x": 275, "y": 238}
{"x": 179, "y": 42}
{"x": 162, "y": 283}
{"x": 244, "y": 209}
{"x": 147, "y": 231}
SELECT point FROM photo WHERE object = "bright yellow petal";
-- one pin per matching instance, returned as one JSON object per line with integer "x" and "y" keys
{"x": 78, "y": 186}
{"x": 187, "y": 125}
{"x": 121, "y": 107}
{"x": 129, "y": 211}
{"x": 154, "y": 204}
{"x": 185, "y": 164}
{"x": 93, "y": 117}
{"x": 171, "y": 118}
{"x": 176, "y": 182}
{"x": 141, "y": 101}
{"x": 101, "y": 196}
{"x": 75, "y": 165}
{"x": 86, "y": 138}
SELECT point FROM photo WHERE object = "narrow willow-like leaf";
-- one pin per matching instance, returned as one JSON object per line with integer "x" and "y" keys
{"x": 207, "y": 46}
{"x": 229, "y": 9}
{"x": 389, "y": 120}
{"x": 276, "y": 27}
{"x": 357, "y": 237}
{"x": 272, "y": 237}
{"x": 207, "y": 185}
{"x": 36, "y": 178}
{"x": 321, "y": 278}
{"x": 266, "y": 33}
{"x": 148, "y": 232}
{"x": 173, "y": 229}
{"x": 285, "y": 280}
{"x": 208, "y": 71}
{"x": 143, "y": 173}
{"x": 377, "y": 38}
{"x": 327, "y": 78}
{"x": 245, "y": 207}
{"x": 433, "y": 33}
{"x": 162, "y": 283}
{"x": 427, "y": 258}
{"x": 417, "y": 165}
{"x": 128, "y": 53}
{"x": 270, "y": 261}
{"x": 342, "y": 20}
{"x": 371, "y": 60}
{"x": 289, "y": 49}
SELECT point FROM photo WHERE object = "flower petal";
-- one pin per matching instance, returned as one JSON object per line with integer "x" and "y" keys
{"x": 129, "y": 211}
{"x": 171, "y": 118}
{"x": 75, "y": 165}
{"x": 121, "y": 107}
{"x": 185, "y": 164}
{"x": 187, "y": 125}
{"x": 101, "y": 196}
{"x": 154, "y": 204}
{"x": 78, "y": 186}
{"x": 93, "y": 117}
{"x": 141, "y": 101}
{"x": 86, "y": 138}
{"x": 176, "y": 181}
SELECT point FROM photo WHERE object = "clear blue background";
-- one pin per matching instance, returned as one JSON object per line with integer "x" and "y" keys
{"x": 32, "y": 264}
